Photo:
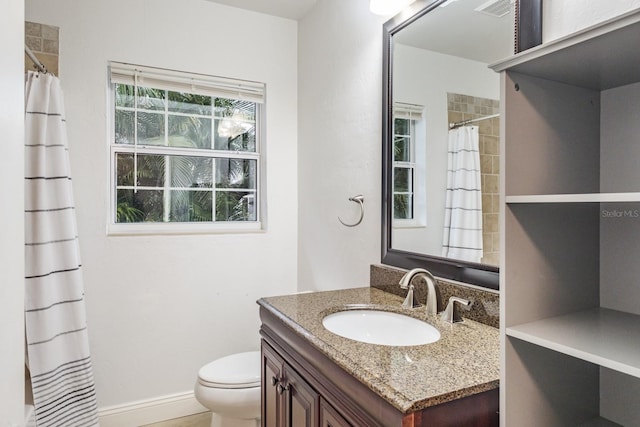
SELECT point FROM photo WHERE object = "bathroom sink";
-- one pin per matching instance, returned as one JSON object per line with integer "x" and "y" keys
{"x": 380, "y": 327}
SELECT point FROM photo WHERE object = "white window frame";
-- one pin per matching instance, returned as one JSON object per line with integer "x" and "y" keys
{"x": 410, "y": 166}
{"x": 415, "y": 114}
{"x": 202, "y": 85}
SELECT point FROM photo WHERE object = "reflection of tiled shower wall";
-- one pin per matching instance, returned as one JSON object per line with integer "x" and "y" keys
{"x": 43, "y": 40}
{"x": 463, "y": 107}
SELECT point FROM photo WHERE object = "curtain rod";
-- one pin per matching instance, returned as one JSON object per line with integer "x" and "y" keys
{"x": 39, "y": 65}
{"x": 466, "y": 122}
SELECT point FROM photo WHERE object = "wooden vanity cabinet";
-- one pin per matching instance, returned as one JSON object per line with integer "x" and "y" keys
{"x": 289, "y": 401}
{"x": 329, "y": 417}
{"x": 302, "y": 387}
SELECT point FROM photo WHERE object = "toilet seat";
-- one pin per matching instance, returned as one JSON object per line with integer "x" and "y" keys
{"x": 237, "y": 371}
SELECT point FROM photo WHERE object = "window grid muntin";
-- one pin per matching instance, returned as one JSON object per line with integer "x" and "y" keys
{"x": 252, "y": 195}
{"x": 410, "y": 165}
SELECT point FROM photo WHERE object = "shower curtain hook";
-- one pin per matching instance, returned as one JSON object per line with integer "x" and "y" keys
{"x": 360, "y": 200}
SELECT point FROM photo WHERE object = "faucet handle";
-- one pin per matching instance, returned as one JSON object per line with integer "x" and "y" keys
{"x": 451, "y": 314}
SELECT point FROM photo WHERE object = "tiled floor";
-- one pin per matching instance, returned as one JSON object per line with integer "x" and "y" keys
{"x": 198, "y": 420}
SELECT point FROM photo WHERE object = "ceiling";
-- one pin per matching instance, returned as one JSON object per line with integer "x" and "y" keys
{"x": 456, "y": 29}
{"x": 459, "y": 30}
{"x": 291, "y": 9}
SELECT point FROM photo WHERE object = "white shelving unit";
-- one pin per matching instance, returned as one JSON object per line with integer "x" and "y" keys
{"x": 575, "y": 198}
{"x": 570, "y": 272}
{"x": 606, "y": 337}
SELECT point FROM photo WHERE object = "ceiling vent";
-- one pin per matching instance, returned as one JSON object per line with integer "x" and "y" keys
{"x": 495, "y": 8}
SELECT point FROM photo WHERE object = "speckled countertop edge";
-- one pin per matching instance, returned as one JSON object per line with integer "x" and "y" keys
{"x": 464, "y": 362}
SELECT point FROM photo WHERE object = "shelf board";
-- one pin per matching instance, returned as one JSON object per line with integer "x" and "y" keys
{"x": 599, "y": 57}
{"x": 605, "y": 337}
{"x": 575, "y": 198}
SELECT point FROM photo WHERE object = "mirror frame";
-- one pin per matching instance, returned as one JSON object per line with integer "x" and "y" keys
{"x": 527, "y": 27}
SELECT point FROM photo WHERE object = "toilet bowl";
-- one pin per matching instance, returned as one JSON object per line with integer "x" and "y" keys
{"x": 230, "y": 388}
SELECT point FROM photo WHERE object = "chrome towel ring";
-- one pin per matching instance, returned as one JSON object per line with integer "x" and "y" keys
{"x": 360, "y": 200}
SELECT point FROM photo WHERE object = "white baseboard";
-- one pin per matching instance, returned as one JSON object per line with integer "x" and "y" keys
{"x": 149, "y": 411}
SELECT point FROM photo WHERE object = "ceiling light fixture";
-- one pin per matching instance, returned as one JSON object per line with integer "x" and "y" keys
{"x": 388, "y": 7}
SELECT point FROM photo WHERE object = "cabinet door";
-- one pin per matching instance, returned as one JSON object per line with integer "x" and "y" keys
{"x": 329, "y": 417}
{"x": 272, "y": 378}
{"x": 301, "y": 401}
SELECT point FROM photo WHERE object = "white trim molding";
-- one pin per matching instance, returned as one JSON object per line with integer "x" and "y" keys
{"x": 149, "y": 411}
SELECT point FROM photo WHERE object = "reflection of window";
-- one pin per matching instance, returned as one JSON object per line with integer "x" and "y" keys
{"x": 405, "y": 117}
{"x": 403, "y": 168}
{"x": 185, "y": 151}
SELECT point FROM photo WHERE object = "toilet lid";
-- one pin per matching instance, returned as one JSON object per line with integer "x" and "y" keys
{"x": 241, "y": 370}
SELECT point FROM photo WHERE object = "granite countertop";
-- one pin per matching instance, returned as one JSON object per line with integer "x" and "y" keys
{"x": 464, "y": 362}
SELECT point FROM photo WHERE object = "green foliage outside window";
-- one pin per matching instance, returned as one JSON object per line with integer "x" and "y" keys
{"x": 402, "y": 171}
{"x": 180, "y": 188}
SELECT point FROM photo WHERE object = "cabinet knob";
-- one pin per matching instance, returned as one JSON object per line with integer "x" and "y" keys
{"x": 282, "y": 388}
{"x": 274, "y": 381}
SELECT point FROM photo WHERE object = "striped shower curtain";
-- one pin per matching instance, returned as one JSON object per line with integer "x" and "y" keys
{"x": 56, "y": 330}
{"x": 463, "y": 204}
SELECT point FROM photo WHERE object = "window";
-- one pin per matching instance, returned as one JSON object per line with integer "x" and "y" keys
{"x": 405, "y": 117}
{"x": 403, "y": 168}
{"x": 185, "y": 152}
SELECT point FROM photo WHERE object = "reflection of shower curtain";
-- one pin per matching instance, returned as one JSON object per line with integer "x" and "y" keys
{"x": 463, "y": 206}
{"x": 56, "y": 330}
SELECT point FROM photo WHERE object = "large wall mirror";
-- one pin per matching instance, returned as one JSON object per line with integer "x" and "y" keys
{"x": 441, "y": 133}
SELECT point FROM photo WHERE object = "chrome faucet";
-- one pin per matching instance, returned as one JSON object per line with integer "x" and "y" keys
{"x": 451, "y": 314}
{"x": 432, "y": 299}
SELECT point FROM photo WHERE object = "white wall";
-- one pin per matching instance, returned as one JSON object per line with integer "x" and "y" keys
{"x": 340, "y": 83}
{"x": 12, "y": 212}
{"x": 563, "y": 17}
{"x": 424, "y": 77}
{"x": 159, "y": 307}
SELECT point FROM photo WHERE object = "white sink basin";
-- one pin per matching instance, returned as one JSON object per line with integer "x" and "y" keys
{"x": 380, "y": 327}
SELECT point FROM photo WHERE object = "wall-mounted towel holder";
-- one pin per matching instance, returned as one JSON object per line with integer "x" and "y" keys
{"x": 360, "y": 200}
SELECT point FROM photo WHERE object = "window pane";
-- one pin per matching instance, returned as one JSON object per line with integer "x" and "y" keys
{"x": 150, "y": 98}
{"x": 401, "y": 179}
{"x": 235, "y": 206}
{"x": 401, "y": 149}
{"x": 189, "y": 103}
{"x": 402, "y": 208}
{"x": 151, "y": 170}
{"x": 235, "y": 127}
{"x": 140, "y": 206}
{"x": 124, "y": 123}
{"x": 124, "y": 95}
{"x": 150, "y": 129}
{"x": 128, "y": 208}
{"x": 191, "y": 206}
{"x": 191, "y": 172}
{"x": 228, "y": 107}
{"x": 189, "y": 132}
{"x": 124, "y": 169}
{"x": 234, "y": 134}
{"x": 236, "y": 173}
{"x": 401, "y": 127}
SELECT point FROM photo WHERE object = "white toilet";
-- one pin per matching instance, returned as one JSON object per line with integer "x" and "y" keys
{"x": 230, "y": 388}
